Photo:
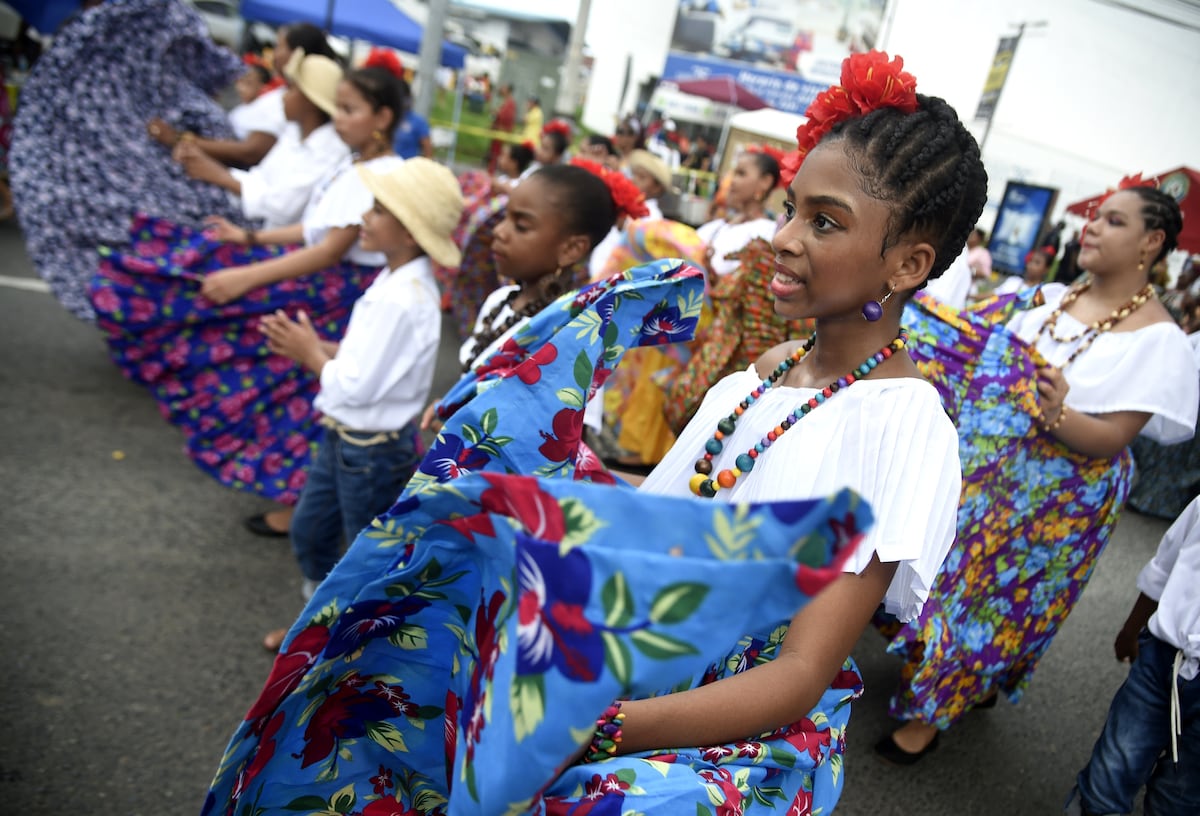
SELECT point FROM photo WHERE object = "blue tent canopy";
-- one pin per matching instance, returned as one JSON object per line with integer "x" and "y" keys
{"x": 376, "y": 21}
{"x": 45, "y": 15}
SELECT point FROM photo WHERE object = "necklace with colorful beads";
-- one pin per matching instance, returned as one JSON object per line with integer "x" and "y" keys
{"x": 1092, "y": 330}
{"x": 702, "y": 484}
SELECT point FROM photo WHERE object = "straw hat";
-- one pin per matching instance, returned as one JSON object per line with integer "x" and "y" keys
{"x": 316, "y": 76}
{"x": 656, "y": 167}
{"x": 425, "y": 197}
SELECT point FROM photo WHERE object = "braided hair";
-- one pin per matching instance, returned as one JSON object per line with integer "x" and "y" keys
{"x": 584, "y": 201}
{"x": 1160, "y": 212}
{"x": 927, "y": 166}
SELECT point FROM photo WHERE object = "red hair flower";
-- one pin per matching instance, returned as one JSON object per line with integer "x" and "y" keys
{"x": 775, "y": 153}
{"x": 1135, "y": 180}
{"x": 385, "y": 59}
{"x": 558, "y": 126}
{"x": 626, "y": 197}
{"x": 870, "y": 81}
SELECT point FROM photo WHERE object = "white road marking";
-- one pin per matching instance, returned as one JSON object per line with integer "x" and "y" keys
{"x": 28, "y": 284}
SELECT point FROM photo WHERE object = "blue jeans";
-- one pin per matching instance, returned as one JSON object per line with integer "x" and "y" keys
{"x": 1134, "y": 748}
{"x": 348, "y": 486}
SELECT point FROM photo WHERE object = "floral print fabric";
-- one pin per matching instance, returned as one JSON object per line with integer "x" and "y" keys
{"x": 81, "y": 162}
{"x": 461, "y": 651}
{"x": 246, "y": 414}
{"x": 511, "y": 611}
{"x": 1032, "y": 521}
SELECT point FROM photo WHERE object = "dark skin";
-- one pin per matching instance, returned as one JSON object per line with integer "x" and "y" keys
{"x": 828, "y": 263}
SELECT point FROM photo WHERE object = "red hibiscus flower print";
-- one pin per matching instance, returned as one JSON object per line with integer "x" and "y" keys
{"x": 562, "y": 443}
{"x": 801, "y": 803}
{"x": 382, "y": 781}
{"x": 389, "y": 806}
{"x": 262, "y": 755}
{"x": 805, "y": 736}
{"x": 343, "y": 714}
{"x": 521, "y": 498}
{"x": 288, "y": 669}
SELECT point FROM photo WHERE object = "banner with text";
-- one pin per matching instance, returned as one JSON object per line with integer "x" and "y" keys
{"x": 996, "y": 77}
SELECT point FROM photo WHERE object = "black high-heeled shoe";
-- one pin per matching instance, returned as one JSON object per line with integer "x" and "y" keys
{"x": 259, "y": 526}
{"x": 887, "y": 750}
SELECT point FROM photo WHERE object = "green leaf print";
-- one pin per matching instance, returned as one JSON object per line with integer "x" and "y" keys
{"x": 306, "y": 803}
{"x": 617, "y": 601}
{"x": 488, "y": 421}
{"x": 386, "y": 736}
{"x": 410, "y": 636}
{"x": 581, "y": 524}
{"x": 659, "y": 646}
{"x": 675, "y": 603}
{"x": 583, "y": 371}
{"x": 570, "y": 397}
{"x": 617, "y": 657}
{"x": 527, "y": 701}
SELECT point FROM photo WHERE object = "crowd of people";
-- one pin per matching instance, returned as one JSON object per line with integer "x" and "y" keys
{"x": 524, "y": 594}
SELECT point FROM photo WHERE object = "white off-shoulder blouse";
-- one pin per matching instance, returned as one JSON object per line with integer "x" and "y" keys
{"x": 889, "y": 440}
{"x": 1152, "y": 369}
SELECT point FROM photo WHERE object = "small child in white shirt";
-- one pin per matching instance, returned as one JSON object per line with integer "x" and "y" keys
{"x": 1152, "y": 735}
{"x": 375, "y": 383}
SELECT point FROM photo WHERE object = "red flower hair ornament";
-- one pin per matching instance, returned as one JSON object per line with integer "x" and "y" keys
{"x": 775, "y": 153}
{"x": 626, "y": 197}
{"x": 385, "y": 59}
{"x": 870, "y": 81}
{"x": 1126, "y": 183}
{"x": 558, "y": 126}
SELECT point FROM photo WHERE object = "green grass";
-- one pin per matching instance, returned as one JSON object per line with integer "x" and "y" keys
{"x": 471, "y": 148}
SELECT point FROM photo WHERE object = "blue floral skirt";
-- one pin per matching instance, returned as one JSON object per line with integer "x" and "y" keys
{"x": 457, "y": 657}
{"x": 246, "y": 413}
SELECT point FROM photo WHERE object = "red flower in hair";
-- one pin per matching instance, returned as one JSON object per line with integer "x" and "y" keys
{"x": 775, "y": 153}
{"x": 558, "y": 126}
{"x": 1135, "y": 180}
{"x": 869, "y": 82}
{"x": 528, "y": 145}
{"x": 385, "y": 59}
{"x": 626, "y": 197}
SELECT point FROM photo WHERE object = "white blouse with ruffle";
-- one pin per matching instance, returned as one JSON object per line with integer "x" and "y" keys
{"x": 889, "y": 440}
{"x": 1151, "y": 370}
{"x": 339, "y": 200}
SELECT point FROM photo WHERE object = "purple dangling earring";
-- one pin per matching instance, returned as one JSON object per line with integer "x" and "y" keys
{"x": 872, "y": 310}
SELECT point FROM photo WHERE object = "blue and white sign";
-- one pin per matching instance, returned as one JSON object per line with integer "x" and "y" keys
{"x": 781, "y": 90}
{"x": 1018, "y": 224}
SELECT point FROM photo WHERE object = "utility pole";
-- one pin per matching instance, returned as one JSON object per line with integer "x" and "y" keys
{"x": 568, "y": 88}
{"x": 1003, "y": 78}
{"x": 431, "y": 56}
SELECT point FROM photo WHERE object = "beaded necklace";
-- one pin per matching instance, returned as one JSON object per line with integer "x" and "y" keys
{"x": 703, "y": 485}
{"x": 489, "y": 332}
{"x": 1093, "y": 330}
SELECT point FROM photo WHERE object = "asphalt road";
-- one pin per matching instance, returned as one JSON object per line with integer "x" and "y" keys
{"x": 132, "y": 603}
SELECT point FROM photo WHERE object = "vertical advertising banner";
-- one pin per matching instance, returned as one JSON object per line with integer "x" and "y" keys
{"x": 1018, "y": 224}
{"x": 783, "y": 51}
{"x": 996, "y": 77}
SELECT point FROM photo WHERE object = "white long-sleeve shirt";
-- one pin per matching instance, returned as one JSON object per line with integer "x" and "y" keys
{"x": 1173, "y": 579}
{"x": 278, "y": 188}
{"x": 382, "y": 373}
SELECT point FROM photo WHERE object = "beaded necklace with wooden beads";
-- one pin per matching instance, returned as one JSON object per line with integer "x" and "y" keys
{"x": 703, "y": 485}
{"x": 1094, "y": 330}
{"x": 489, "y": 333}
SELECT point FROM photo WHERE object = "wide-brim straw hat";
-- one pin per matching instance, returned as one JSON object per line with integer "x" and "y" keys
{"x": 425, "y": 197}
{"x": 656, "y": 167}
{"x": 316, "y": 76}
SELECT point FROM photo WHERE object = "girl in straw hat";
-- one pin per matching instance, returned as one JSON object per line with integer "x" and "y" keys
{"x": 181, "y": 309}
{"x": 373, "y": 383}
